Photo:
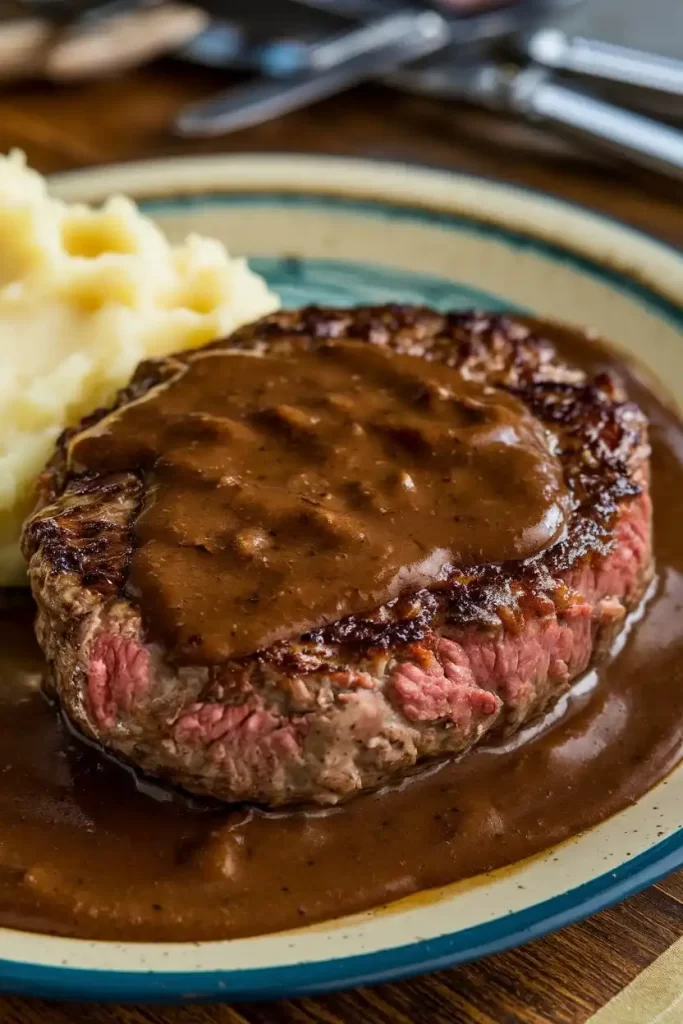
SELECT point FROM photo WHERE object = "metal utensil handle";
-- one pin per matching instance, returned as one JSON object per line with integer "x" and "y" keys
{"x": 638, "y": 139}
{"x": 552, "y": 48}
{"x": 265, "y": 99}
{"x": 287, "y": 58}
{"x": 248, "y": 105}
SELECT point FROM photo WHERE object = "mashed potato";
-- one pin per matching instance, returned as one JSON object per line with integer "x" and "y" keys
{"x": 85, "y": 294}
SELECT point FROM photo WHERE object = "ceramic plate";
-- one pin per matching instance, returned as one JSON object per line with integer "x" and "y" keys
{"x": 346, "y": 232}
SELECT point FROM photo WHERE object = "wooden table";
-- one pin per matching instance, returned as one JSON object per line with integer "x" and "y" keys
{"x": 564, "y": 978}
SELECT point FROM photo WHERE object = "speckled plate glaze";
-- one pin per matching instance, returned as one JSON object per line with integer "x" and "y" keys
{"x": 345, "y": 232}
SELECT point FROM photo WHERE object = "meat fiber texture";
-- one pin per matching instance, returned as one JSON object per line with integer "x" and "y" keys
{"x": 358, "y": 703}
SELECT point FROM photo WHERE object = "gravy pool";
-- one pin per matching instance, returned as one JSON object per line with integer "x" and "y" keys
{"x": 86, "y": 852}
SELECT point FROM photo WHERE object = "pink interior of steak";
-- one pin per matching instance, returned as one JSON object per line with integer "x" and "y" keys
{"x": 351, "y": 704}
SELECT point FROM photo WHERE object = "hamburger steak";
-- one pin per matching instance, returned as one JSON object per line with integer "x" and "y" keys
{"x": 338, "y": 679}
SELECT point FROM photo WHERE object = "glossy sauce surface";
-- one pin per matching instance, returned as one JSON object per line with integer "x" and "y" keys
{"x": 83, "y": 852}
{"x": 301, "y": 488}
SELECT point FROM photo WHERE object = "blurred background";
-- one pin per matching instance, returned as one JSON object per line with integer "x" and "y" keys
{"x": 590, "y": 90}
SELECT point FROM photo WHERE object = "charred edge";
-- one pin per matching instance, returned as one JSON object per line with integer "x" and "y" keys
{"x": 79, "y": 538}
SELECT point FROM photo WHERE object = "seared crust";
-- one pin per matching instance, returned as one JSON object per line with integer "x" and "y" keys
{"x": 364, "y": 700}
{"x": 600, "y": 439}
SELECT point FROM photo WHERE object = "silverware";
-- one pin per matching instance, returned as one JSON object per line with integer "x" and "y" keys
{"x": 359, "y": 53}
{"x": 533, "y": 93}
{"x": 226, "y": 44}
{"x": 282, "y": 58}
{"x": 374, "y": 49}
{"x": 627, "y": 42}
{"x": 553, "y": 48}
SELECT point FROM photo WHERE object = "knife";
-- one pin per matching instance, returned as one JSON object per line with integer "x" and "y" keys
{"x": 374, "y": 49}
{"x": 533, "y": 92}
{"x": 593, "y": 57}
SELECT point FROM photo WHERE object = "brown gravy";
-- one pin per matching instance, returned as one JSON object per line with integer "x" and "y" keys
{"x": 307, "y": 486}
{"x": 83, "y": 852}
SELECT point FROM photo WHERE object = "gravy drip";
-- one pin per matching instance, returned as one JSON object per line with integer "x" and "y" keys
{"x": 85, "y": 853}
{"x": 285, "y": 492}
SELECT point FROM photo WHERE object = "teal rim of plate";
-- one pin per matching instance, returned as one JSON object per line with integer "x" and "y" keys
{"x": 616, "y": 279}
{"x": 512, "y": 929}
{"x": 333, "y": 282}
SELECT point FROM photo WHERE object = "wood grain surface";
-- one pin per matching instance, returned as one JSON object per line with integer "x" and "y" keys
{"x": 561, "y": 979}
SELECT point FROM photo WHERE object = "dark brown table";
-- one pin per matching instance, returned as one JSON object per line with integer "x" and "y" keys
{"x": 564, "y": 978}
